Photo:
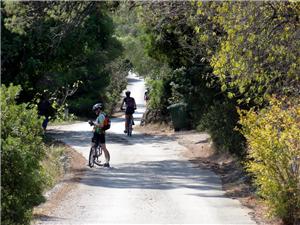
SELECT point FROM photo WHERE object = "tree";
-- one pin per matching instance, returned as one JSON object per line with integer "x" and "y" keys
{"x": 52, "y": 46}
{"x": 259, "y": 56}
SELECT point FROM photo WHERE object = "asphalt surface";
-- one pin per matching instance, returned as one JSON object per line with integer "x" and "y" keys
{"x": 149, "y": 181}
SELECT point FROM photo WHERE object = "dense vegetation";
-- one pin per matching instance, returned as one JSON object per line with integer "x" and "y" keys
{"x": 273, "y": 136}
{"x": 218, "y": 57}
{"x": 235, "y": 65}
{"x": 50, "y": 48}
{"x": 22, "y": 150}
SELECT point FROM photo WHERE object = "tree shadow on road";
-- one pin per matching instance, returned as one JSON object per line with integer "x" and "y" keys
{"x": 83, "y": 138}
{"x": 162, "y": 175}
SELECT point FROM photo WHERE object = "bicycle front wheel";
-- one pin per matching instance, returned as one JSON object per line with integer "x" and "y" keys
{"x": 92, "y": 157}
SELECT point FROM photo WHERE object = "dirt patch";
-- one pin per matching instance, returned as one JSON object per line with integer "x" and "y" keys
{"x": 75, "y": 167}
{"x": 236, "y": 182}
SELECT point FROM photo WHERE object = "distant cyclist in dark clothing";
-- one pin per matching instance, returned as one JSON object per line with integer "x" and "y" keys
{"x": 130, "y": 107}
{"x": 146, "y": 95}
{"x": 44, "y": 109}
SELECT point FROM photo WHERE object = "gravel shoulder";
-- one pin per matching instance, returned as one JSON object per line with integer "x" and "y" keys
{"x": 75, "y": 168}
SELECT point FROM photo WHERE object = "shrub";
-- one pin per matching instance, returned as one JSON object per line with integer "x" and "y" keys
{"x": 82, "y": 106}
{"x": 220, "y": 121}
{"x": 273, "y": 136}
{"x": 157, "y": 91}
{"x": 21, "y": 152}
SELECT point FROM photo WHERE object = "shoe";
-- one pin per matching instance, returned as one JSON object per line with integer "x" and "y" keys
{"x": 106, "y": 165}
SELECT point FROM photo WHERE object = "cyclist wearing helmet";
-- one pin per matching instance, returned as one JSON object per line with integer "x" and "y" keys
{"x": 130, "y": 107}
{"x": 99, "y": 133}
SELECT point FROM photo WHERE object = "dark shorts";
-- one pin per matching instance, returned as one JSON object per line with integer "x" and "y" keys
{"x": 129, "y": 111}
{"x": 98, "y": 138}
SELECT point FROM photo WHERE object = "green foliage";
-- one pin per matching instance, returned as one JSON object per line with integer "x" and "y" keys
{"x": 109, "y": 95}
{"x": 273, "y": 136}
{"x": 82, "y": 106}
{"x": 259, "y": 55}
{"x": 169, "y": 38}
{"x": 65, "y": 49}
{"x": 63, "y": 115}
{"x": 22, "y": 150}
{"x": 130, "y": 33}
{"x": 157, "y": 90}
{"x": 220, "y": 120}
{"x": 180, "y": 86}
{"x": 120, "y": 69}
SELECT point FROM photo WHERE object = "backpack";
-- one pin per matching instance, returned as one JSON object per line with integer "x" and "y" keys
{"x": 129, "y": 102}
{"x": 106, "y": 123}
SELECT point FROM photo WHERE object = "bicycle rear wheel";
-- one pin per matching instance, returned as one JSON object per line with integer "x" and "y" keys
{"x": 129, "y": 131}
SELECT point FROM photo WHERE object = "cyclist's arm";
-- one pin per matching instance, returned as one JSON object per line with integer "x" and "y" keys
{"x": 134, "y": 104}
{"x": 122, "y": 104}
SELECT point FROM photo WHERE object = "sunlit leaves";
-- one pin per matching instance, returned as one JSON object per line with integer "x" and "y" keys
{"x": 261, "y": 38}
{"x": 273, "y": 137}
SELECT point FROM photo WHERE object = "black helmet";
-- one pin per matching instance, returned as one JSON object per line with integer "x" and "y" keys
{"x": 127, "y": 93}
{"x": 97, "y": 106}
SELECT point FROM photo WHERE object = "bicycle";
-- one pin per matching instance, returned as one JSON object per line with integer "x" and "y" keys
{"x": 129, "y": 125}
{"x": 95, "y": 152}
{"x": 129, "y": 120}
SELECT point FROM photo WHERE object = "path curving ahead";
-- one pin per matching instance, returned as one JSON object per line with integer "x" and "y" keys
{"x": 149, "y": 181}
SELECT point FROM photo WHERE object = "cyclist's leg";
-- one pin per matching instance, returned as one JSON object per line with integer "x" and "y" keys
{"x": 104, "y": 149}
{"x": 132, "y": 119}
{"x": 45, "y": 122}
{"x": 126, "y": 122}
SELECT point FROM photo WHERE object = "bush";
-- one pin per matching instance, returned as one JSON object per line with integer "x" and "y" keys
{"x": 220, "y": 121}
{"x": 21, "y": 152}
{"x": 82, "y": 106}
{"x": 273, "y": 136}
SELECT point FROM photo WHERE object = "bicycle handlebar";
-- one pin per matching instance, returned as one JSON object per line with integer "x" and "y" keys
{"x": 91, "y": 123}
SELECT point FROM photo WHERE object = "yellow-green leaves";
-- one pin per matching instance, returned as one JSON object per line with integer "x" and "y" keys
{"x": 273, "y": 136}
{"x": 260, "y": 38}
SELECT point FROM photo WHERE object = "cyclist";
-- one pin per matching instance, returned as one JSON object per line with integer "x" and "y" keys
{"x": 146, "y": 95}
{"x": 44, "y": 109}
{"x": 130, "y": 107}
{"x": 99, "y": 133}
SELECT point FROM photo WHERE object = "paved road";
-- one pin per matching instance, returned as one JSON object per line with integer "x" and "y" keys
{"x": 149, "y": 182}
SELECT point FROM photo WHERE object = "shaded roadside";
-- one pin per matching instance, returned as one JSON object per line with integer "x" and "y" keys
{"x": 74, "y": 169}
{"x": 235, "y": 181}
